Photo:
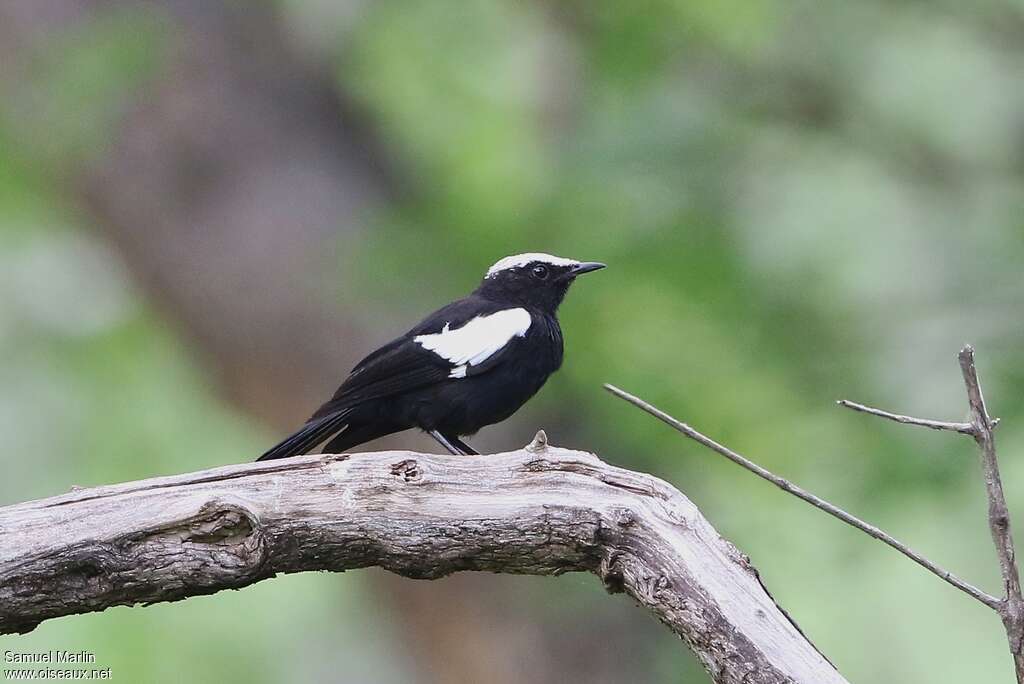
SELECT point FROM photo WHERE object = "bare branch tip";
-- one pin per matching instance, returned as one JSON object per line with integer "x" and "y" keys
{"x": 966, "y": 355}
{"x": 624, "y": 395}
{"x": 539, "y": 443}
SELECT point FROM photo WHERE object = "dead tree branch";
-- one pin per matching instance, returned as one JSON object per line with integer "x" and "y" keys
{"x": 1011, "y": 606}
{"x": 541, "y": 510}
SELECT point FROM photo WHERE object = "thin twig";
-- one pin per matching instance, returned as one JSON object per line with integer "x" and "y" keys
{"x": 962, "y": 428}
{"x": 1012, "y": 611}
{"x": 999, "y": 517}
{"x": 787, "y": 486}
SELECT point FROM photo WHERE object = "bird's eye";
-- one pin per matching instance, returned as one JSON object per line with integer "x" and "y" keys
{"x": 540, "y": 272}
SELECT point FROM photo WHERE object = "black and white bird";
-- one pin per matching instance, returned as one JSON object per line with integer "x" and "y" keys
{"x": 467, "y": 365}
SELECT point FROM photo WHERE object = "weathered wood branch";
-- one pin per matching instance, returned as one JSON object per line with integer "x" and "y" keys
{"x": 541, "y": 510}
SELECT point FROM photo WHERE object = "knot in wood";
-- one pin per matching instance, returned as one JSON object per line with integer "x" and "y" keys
{"x": 624, "y": 517}
{"x": 220, "y": 521}
{"x": 610, "y": 572}
{"x": 408, "y": 470}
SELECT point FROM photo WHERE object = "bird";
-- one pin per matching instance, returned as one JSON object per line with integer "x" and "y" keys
{"x": 471, "y": 363}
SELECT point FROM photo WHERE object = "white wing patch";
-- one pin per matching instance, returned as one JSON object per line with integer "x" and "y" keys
{"x": 517, "y": 260}
{"x": 476, "y": 341}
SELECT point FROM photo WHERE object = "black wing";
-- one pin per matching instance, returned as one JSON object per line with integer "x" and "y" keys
{"x": 403, "y": 365}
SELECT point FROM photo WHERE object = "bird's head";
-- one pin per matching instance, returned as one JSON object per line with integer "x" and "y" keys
{"x": 533, "y": 280}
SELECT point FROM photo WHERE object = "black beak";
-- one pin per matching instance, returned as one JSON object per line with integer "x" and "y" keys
{"x": 585, "y": 267}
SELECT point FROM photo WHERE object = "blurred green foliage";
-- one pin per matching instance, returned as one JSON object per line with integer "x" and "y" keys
{"x": 799, "y": 202}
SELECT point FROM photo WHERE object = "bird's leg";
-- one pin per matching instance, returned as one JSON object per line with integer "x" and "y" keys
{"x": 466, "y": 449}
{"x": 447, "y": 443}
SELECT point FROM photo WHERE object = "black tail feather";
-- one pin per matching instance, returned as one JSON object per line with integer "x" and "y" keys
{"x": 312, "y": 433}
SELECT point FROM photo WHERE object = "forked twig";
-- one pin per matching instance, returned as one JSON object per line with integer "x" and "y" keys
{"x": 799, "y": 492}
{"x": 1011, "y": 606}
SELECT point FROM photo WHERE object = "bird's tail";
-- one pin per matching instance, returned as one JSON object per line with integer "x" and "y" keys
{"x": 312, "y": 433}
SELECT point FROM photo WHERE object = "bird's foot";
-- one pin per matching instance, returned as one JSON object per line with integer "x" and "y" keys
{"x": 453, "y": 444}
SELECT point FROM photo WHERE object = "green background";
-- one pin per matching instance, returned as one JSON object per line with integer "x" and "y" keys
{"x": 798, "y": 202}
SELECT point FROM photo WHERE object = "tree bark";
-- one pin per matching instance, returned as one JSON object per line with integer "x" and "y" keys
{"x": 541, "y": 511}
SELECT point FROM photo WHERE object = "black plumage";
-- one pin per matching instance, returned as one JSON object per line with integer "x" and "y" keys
{"x": 469, "y": 364}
